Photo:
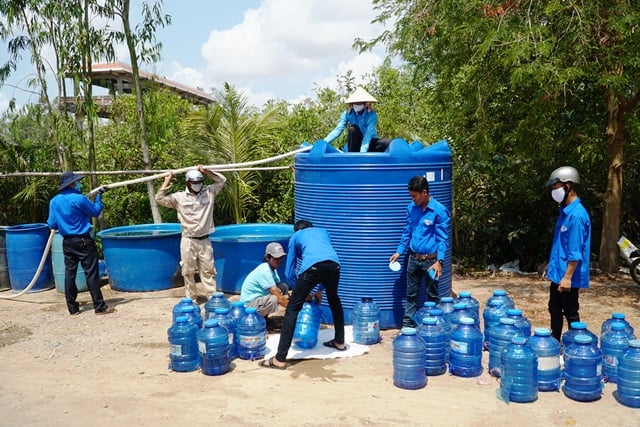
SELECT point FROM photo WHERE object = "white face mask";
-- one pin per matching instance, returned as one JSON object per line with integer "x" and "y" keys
{"x": 358, "y": 107}
{"x": 558, "y": 194}
{"x": 196, "y": 187}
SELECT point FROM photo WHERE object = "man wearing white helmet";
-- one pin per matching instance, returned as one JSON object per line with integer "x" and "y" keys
{"x": 568, "y": 267}
{"x": 195, "y": 213}
{"x": 363, "y": 121}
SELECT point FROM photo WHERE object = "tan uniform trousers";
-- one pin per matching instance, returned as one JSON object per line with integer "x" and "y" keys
{"x": 197, "y": 255}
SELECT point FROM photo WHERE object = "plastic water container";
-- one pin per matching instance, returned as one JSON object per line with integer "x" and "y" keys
{"x": 465, "y": 357}
{"x": 446, "y": 305}
{"x": 459, "y": 311}
{"x": 213, "y": 345}
{"x": 365, "y": 319}
{"x": 224, "y": 319}
{"x": 236, "y": 311}
{"x": 192, "y": 314}
{"x": 577, "y": 328}
{"x": 436, "y": 342}
{"x": 628, "y": 390}
{"x": 305, "y": 334}
{"x": 491, "y": 315}
{"x": 437, "y": 314}
{"x": 183, "y": 346}
{"x": 217, "y": 300}
{"x": 548, "y": 351}
{"x": 251, "y": 335}
{"x": 613, "y": 343}
{"x": 472, "y": 303}
{"x": 499, "y": 337}
{"x": 519, "y": 368}
{"x": 522, "y": 323}
{"x": 616, "y": 317}
{"x": 500, "y": 296}
{"x": 186, "y": 302}
{"x": 424, "y": 311}
{"x": 583, "y": 370}
{"x": 408, "y": 360}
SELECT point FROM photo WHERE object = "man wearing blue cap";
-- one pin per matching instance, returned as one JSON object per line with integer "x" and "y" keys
{"x": 70, "y": 213}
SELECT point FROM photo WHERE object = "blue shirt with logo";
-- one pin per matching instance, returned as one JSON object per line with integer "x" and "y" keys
{"x": 426, "y": 232}
{"x": 309, "y": 246}
{"x": 70, "y": 212}
{"x": 571, "y": 242}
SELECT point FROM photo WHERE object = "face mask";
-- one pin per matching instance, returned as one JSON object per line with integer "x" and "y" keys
{"x": 195, "y": 187}
{"x": 78, "y": 186}
{"x": 358, "y": 107}
{"x": 558, "y": 194}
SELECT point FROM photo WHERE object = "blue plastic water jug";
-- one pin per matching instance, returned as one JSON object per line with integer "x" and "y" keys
{"x": 577, "y": 328}
{"x": 499, "y": 337}
{"x": 459, "y": 311}
{"x": 548, "y": 350}
{"x": 224, "y": 319}
{"x": 613, "y": 343}
{"x": 186, "y": 302}
{"x": 217, "y": 300}
{"x": 519, "y": 372}
{"x": 465, "y": 357}
{"x": 305, "y": 334}
{"x": 471, "y": 302}
{"x": 213, "y": 344}
{"x": 521, "y": 322}
{"x": 436, "y": 342}
{"x": 616, "y": 317}
{"x": 236, "y": 311}
{"x": 444, "y": 323}
{"x": 408, "y": 360}
{"x": 500, "y": 296}
{"x": 628, "y": 390}
{"x": 583, "y": 370}
{"x": 424, "y": 311}
{"x": 365, "y": 320}
{"x": 446, "y": 305}
{"x": 491, "y": 315}
{"x": 183, "y": 346}
{"x": 251, "y": 335}
{"x": 192, "y": 314}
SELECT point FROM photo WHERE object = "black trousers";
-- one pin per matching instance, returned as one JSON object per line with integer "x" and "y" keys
{"x": 354, "y": 141}
{"x": 562, "y": 304}
{"x": 81, "y": 249}
{"x": 327, "y": 273}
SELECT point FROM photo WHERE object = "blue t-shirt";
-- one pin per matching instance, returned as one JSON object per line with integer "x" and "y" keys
{"x": 571, "y": 242}
{"x": 70, "y": 212}
{"x": 311, "y": 246}
{"x": 426, "y": 232}
{"x": 258, "y": 282}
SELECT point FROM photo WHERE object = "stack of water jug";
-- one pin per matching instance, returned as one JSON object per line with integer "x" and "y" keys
{"x": 229, "y": 330}
{"x": 526, "y": 361}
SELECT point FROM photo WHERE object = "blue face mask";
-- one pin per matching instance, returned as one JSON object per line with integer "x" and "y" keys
{"x": 78, "y": 186}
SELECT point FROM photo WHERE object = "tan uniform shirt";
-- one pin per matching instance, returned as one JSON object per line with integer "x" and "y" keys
{"x": 195, "y": 211}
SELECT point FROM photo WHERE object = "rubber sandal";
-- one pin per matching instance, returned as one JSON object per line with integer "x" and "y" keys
{"x": 76, "y": 313}
{"x": 333, "y": 344}
{"x": 270, "y": 365}
{"x": 106, "y": 311}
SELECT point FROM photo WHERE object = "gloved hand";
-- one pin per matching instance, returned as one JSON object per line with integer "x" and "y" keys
{"x": 103, "y": 189}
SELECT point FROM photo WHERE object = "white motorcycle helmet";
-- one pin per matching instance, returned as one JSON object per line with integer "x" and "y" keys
{"x": 564, "y": 174}
{"x": 194, "y": 180}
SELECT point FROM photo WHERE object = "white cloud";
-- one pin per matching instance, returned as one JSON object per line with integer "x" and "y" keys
{"x": 283, "y": 48}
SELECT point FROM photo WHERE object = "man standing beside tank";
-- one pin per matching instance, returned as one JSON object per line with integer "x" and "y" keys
{"x": 362, "y": 134}
{"x": 195, "y": 213}
{"x": 318, "y": 264}
{"x": 69, "y": 213}
{"x": 568, "y": 268}
{"x": 426, "y": 236}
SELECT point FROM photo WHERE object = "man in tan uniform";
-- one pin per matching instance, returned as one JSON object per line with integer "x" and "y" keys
{"x": 195, "y": 212}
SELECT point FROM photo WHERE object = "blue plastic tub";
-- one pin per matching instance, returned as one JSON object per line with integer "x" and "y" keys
{"x": 143, "y": 257}
{"x": 239, "y": 248}
{"x": 25, "y": 246}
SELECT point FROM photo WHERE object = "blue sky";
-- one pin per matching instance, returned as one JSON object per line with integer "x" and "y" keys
{"x": 269, "y": 49}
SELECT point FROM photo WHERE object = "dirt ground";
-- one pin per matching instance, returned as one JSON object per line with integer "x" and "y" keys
{"x": 62, "y": 370}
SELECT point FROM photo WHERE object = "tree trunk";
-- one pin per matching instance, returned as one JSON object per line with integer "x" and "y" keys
{"x": 155, "y": 212}
{"x": 612, "y": 199}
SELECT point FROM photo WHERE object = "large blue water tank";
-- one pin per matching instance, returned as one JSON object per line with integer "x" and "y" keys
{"x": 361, "y": 199}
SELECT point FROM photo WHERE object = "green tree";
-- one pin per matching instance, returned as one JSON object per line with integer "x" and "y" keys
{"x": 504, "y": 74}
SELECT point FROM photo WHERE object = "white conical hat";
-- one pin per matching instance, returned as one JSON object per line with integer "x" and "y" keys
{"x": 360, "y": 96}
